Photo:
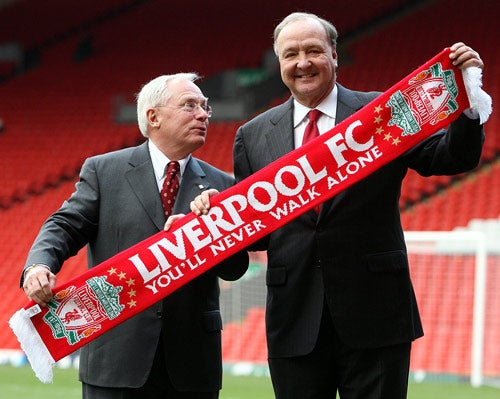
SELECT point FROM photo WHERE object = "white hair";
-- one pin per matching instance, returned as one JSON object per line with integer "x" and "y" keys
{"x": 156, "y": 93}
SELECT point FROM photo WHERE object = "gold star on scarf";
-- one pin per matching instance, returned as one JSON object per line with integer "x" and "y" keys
{"x": 132, "y": 303}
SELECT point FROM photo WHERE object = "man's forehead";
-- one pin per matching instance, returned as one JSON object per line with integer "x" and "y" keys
{"x": 191, "y": 95}
{"x": 187, "y": 90}
{"x": 299, "y": 33}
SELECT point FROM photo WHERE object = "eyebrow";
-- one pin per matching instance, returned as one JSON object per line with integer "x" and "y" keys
{"x": 195, "y": 98}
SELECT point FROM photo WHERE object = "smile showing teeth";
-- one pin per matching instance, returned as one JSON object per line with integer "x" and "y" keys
{"x": 307, "y": 76}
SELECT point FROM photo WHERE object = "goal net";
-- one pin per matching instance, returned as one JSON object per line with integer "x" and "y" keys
{"x": 456, "y": 276}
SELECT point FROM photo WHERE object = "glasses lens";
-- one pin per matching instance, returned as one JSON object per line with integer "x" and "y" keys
{"x": 191, "y": 107}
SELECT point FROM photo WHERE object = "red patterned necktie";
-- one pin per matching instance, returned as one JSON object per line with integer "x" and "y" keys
{"x": 170, "y": 187}
{"x": 311, "y": 132}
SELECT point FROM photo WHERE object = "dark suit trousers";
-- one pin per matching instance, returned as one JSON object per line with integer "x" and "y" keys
{"x": 158, "y": 386}
{"x": 374, "y": 373}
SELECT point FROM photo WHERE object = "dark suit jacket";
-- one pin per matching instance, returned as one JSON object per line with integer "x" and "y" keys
{"x": 116, "y": 205}
{"x": 354, "y": 253}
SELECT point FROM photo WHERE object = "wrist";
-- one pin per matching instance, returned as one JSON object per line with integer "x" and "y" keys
{"x": 31, "y": 267}
{"x": 471, "y": 113}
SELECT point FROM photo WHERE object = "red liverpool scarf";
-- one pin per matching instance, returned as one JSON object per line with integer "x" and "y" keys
{"x": 89, "y": 305}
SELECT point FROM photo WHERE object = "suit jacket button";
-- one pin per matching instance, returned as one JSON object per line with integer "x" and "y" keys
{"x": 159, "y": 314}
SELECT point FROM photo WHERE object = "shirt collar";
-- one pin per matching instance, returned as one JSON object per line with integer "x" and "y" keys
{"x": 328, "y": 107}
{"x": 160, "y": 161}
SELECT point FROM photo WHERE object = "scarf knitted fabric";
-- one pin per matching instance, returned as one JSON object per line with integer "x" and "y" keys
{"x": 88, "y": 305}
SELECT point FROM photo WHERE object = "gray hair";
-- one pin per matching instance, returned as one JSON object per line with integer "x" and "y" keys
{"x": 330, "y": 30}
{"x": 156, "y": 93}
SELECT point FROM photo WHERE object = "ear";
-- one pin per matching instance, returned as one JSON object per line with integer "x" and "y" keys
{"x": 335, "y": 56}
{"x": 152, "y": 117}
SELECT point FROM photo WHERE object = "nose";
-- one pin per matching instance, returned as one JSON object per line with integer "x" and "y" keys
{"x": 303, "y": 61}
{"x": 205, "y": 110}
{"x": 201, "y": 113}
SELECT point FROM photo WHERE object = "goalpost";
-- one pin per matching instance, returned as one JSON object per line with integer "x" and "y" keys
{"x": 460, "y": 250}
{"x": 456, "y": 276}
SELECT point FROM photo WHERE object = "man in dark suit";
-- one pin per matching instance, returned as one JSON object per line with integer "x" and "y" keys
{"x": 173, "y": 349}
{"x": 341, "y": 312}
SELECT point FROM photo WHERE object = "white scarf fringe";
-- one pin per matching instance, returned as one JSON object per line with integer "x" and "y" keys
{"x": 479, "y": 100}
{"x": 38, "y": 355}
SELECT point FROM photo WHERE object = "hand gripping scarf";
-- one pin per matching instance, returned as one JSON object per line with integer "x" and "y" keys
{"x": 90, "y": 304}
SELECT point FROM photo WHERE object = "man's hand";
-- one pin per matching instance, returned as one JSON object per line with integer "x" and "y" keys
{"x": 171, "y": 220}
{"x": 464, "y": 56}
{"x": 38, "y": 284}
{"x": 201, "y": 204}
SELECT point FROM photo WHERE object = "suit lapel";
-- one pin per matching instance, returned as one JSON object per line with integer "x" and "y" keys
{"x": 142, "y": 182}
{"x": 347, "y": 104}
{"x": 194, "y": 181}
{"x": 279, "y": 139}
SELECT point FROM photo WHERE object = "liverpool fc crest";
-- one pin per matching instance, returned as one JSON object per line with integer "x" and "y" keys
{"x": 76, "y": 313}
{"x": 429, "y": 98}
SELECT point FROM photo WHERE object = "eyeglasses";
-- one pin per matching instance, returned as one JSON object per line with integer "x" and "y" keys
{"x": 191, "y": 106}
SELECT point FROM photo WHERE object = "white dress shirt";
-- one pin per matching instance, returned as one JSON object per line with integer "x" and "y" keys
{"x": 326, "y": 121}
{"x": 160, "y": 161}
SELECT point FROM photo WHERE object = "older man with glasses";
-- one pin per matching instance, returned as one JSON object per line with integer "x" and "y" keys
{"x": 171, "y": 350}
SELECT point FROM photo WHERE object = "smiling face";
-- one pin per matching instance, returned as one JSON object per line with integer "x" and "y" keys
{"x": 307, "y": 61}
{"x": 176, "y": 130}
